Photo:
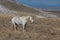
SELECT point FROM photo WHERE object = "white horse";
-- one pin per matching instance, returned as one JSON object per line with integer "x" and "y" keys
{"x": 21, "y": 20}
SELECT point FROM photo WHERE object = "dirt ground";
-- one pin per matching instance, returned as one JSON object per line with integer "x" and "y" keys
{"x": 42, "y": 29}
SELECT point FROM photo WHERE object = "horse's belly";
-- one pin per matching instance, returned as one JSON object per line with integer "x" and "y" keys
{"x": 18, "y": 21}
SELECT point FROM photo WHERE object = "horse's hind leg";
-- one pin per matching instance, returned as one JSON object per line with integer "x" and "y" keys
{"x": 15, "y": 26}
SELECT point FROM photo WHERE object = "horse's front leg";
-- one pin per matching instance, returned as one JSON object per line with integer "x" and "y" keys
{"x": 24, "y": 26}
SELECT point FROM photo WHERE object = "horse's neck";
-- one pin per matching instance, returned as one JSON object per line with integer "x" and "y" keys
{"x": 27, "y": 18}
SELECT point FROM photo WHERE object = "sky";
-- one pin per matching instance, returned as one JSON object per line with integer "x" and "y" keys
{"x": 41, "y": 3}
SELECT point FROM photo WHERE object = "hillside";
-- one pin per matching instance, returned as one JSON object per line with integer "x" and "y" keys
{"x": 42, "y": 29}
{"x": 12, "y": 5}
{"x": 46, "y": 24}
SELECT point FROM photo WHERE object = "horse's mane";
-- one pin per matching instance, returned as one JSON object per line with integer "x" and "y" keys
{"x": 28, "y": 18}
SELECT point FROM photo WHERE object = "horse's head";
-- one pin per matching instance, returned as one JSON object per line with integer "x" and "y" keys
{"x": 31, "y": 19}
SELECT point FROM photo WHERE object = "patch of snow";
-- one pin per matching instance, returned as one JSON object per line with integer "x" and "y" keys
{"x": 40, "y": 16}
{"x": 50, "y": 15}
{"x": 3, "y": 9}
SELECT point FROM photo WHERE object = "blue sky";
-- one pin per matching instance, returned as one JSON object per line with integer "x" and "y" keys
{"x": 41, "y": 3}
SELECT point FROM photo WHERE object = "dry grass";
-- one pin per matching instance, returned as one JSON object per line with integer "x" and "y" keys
{"x": 42, "y": 29}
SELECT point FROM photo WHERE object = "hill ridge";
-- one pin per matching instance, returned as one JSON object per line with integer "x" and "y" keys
{"x": 16, "y": 6}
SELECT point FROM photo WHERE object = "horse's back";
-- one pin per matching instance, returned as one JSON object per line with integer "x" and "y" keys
{"x": 21, "y": 19}
{"x": 16, "y": 20}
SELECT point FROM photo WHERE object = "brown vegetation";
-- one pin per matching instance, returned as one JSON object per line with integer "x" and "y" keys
{"x": 42, "y": 29}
